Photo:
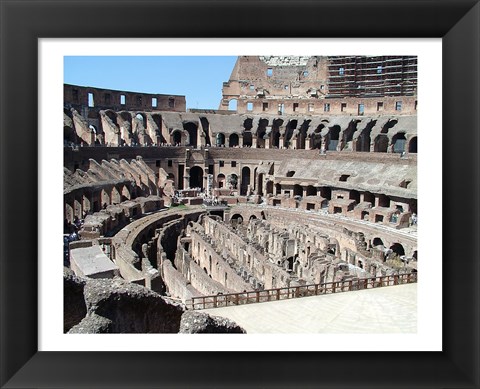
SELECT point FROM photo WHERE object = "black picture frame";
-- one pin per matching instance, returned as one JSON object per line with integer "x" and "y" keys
{"x": 457, "y": 22}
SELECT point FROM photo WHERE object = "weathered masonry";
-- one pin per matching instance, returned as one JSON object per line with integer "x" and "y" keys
{"x": 341, "y": 85}
{"x": 311, "y": 179}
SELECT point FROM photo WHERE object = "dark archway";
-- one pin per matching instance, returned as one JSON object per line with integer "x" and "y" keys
{"x": 412, "y": 146}
{"x": 177, "y": 138}
{"x": 221, "y": 180}
{"x": 260, "y": 184}
{"x": 333, "y": 137}
{"x": 233, "y": 140}
{"x": 220, "y": 140}
{"x": 326, "y": 192}
{"x": 364, "y": 139}
{"x": 192, "y": 131}
{"x": 383, "y": 201}
{"x": 245, "y": 181}
{"x": 196, "y": 177}
{"x": 311, "y": 190}
{"x": 269, "y": 187}
{"x": 355, "y": 195}
{"x": 381, "y": 144}
{"x": 278, "y": 189}
{"x": 297, "y": 190}
{"x": 398, "y": 249}
{"x": 369, "y": 198}
{"x": 247, "y": 139}
{"x": 398, "y": 142}
{"x": 291, "y": 126}
{"x": 377, "y": 242}
{"x": 236, "y": 219}
{"x": 316, "y": 140}
{"x": 262, "y": 133}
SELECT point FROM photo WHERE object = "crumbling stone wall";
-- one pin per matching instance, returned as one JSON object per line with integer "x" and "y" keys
{"x": 318, "y": 85}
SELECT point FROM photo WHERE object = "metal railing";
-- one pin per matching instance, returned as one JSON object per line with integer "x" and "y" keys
{"x": 225, "y": 300}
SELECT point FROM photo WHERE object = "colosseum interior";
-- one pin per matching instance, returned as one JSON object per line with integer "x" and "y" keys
{"x": 308, "y": 186}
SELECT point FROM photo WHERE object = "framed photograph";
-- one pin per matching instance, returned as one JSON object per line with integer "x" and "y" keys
{"x": 36, "y": 37}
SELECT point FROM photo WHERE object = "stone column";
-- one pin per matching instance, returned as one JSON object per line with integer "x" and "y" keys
{"x": 240, "y": 140}
{"x": 186, "y": 178}
{"x": 267, "y": 143}
{"x": 307, "y": 143}
{"x": 254, "y": 141}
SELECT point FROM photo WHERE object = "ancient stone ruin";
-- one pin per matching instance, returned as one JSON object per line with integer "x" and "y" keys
{"x": 311, "y": 180}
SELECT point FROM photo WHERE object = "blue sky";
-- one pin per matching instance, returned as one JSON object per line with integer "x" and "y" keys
{"x": 199, "y": 79}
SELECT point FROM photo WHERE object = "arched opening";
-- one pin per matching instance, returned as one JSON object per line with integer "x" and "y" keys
{"x": 96, "y": 135}
{"x": 233, "y": 140}
{"x": 355, "y": 195}
{"x": 236, "y": 219}
{"x": 278, "y": 189}
{"x": 364, "y": 139}
{"x": 289, "y": 264}
{"x": 192, "y": 131}
{"x": 139, "y": 117}
{"x": 332, "y": 138}
{"x": 398, "y": 249}
{"x": 247, "y": 133}
{"x": 302, "y": 134}
{"x": 245, "y": 181}
{"x": 347, "y": 135}
{"x": 196, "y": 177}
{"x": 260, "y": 184}
{"x": 377, "y": 242}
{"x": 297, "y": 190}
{"x": 398, "y": 142}
{"x": 232, "y": 105}
{"x": 269, "y": 187}
{"x": 316, "y": 142}
{"x": 252, "y": 217}
{"x": 369, "y": 198}
{"x": 412, "y": 146}
{"x": 233, "y": 181}
{"x": 326, "y": 192}
{"x": 381, "y": 144}
{"x": 104, "y": 198}
{"x": 221, "y": 180}
{"x": 311, "y": 190}
{"x": 220, "y": 140}
{"x": 275, "y": 135}
{"x": 262, "y": 133}
{"x": 290, "y": 128}
{"x": 247, "y": 139}
{"x": 116, "y": 199}
{"x": 177, "y": 138}
{"x": 158, "y": 131}
{"x": 383, "y": 201}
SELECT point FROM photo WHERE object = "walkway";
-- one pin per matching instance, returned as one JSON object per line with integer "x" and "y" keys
{"x": 391, "y": 309}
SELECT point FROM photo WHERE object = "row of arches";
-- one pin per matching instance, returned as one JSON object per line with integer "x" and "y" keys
{"x": 147, "y": 129}
{"x": 330, "y": 142}
{"x": 93, "y": 199}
